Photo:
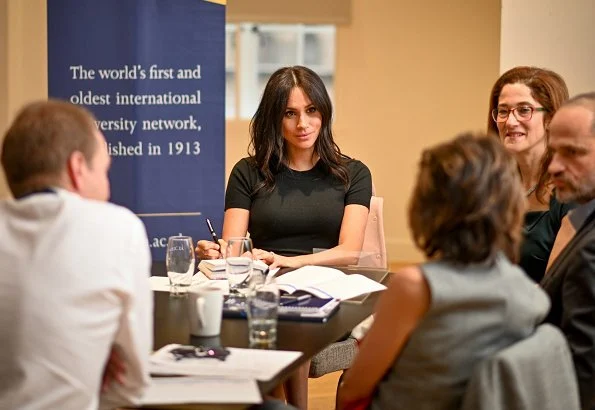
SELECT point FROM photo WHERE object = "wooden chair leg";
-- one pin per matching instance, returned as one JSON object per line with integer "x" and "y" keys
{"x": 278, "y": 393}
{"x": 338, "y": 384}
{"x": 296, "y": 387}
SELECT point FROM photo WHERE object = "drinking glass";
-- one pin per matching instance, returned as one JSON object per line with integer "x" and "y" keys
{"x": 238, "y": 267}
{"x": 180, "y": 263}
{"x": 262, "y": 304}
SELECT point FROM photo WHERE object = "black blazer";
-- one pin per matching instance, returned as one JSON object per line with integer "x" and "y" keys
{"x": 570, "y": 284}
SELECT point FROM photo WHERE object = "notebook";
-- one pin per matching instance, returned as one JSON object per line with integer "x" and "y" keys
{"x": 219, "y": 264}
{"x": 215, "y": 268}
{"x": 311, "y": 310}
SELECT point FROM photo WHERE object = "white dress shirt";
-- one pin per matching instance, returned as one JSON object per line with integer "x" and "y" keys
{"x": 73, "y": 282}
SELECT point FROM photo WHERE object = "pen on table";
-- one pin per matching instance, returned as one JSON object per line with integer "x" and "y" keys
{"x": 295, "y": 300}
{"x": 212, "y": 231}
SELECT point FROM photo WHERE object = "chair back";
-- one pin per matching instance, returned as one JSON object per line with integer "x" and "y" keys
{"x": 373, "y": 253}
{"x": 534, "y": 373}
{"x": 340, "y": 355}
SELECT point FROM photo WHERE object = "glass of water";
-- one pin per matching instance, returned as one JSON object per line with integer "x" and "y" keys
{"x": 180, "y": 263}
{"x": 238, "y": 267}
{"x": 262, "y": 306}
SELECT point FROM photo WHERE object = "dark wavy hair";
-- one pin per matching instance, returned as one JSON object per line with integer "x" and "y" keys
{"x": 548, "y": 89}
{"x": 267, "y": 145}
{"x": 468, "y": 202}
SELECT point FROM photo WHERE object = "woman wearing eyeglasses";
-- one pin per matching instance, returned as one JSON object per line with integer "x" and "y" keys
{"x": 522, "y": 104}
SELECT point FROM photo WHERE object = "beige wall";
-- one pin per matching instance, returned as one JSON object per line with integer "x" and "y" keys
{"x": 409, "y": 74}
{"x": 23, "y": 59}
{"x": 3, "y": 63}
{"x": 556, "y": 34}
{"x": 3, "y": 81}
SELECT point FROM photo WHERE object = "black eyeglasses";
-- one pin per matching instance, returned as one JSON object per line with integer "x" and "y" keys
{"x": 200, "y": 352}
{"x": 521, "y": 113}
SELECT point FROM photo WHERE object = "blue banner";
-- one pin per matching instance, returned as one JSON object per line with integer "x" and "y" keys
{"x": 153, "y": 73}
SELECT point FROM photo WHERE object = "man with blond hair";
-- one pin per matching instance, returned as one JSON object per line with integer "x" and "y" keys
{"x": 75, "y": 303}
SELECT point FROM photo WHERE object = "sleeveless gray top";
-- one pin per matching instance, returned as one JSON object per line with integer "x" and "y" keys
{"x": 475, "y": 311}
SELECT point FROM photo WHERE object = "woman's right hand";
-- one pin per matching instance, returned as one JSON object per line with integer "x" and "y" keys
{"x": 210, "y": 250}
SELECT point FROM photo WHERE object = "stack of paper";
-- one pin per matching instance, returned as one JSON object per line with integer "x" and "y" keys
{"x": 204, "y": 389}
{"x": 211, "y": 380}
{"x": 215, "y": 268}
{"x": 218, "y": 265}
{"x": 240, "y": 363}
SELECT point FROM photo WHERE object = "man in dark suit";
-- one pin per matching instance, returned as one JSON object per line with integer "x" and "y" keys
{"x": 570, "y": 282}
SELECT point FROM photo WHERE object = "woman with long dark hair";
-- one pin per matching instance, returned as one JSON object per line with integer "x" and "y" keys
{"x": 296, "y": 192}
{"x": 301, "y": 199}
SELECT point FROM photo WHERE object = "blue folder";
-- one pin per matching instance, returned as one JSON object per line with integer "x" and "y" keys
{"x": 310, "y": 310}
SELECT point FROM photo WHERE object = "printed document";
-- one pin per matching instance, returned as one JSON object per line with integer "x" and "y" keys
{"x": 324, "y": 282}
{"x": 256, "y": 364}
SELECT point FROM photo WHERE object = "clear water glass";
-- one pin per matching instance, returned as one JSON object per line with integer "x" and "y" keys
{"x": 238, "y": 265}
{"x": 180, "y": 263}
{"x": 262, "y": 306}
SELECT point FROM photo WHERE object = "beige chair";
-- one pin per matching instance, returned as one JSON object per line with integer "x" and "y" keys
{"x": 340, "y": 355}
{"x": 534, "y": 373}
{"x": 373, "y": 253}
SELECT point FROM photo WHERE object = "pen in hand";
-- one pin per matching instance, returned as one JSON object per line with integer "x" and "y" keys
{"x": 212, "y": 231}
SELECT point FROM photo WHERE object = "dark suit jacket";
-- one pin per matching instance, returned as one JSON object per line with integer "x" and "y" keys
{"x": 570, "y": 284}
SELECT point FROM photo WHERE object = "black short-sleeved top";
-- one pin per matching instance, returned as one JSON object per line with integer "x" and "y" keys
{"x": 305, "y": 209}
{"x": 540, "y": 230}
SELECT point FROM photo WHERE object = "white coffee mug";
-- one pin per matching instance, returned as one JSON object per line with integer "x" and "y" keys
{"x": 205, "y": 308}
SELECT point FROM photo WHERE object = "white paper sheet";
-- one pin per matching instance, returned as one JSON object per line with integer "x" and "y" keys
{"x": 325, "y": 282}
{"x": 182, "y": 390}
{"x": 241, "y": 363}
{"x": 161, "y": 283}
